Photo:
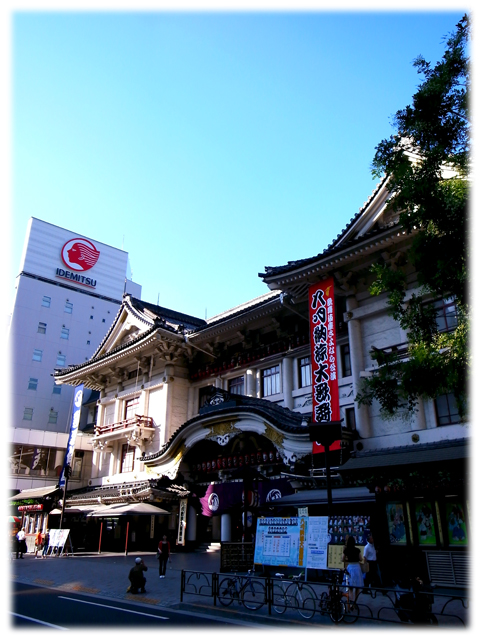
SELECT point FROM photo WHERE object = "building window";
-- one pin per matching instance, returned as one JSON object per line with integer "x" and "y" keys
{"x": 64, "y": 333}
{"x": 46, "y": 301}
{"x": 305, "y": 372}
{"x": 33, "y": 384}
{"x": 131, "y": 408}
{"x": 346, "y": 362}
{"x": 68, "y": 307}
{"x": 28, "y": 413}
{"x": 271, "y": 381}
{"x": 53, "y": 417}
{"x": 350, "y": 419}
{"x": 61, "y": 360}
{"x": 446, "y": 316}
{"x": 37, "y": 355}
{"x": 127, "y": 459}
{"x": 237, "y": 385}
{"x": 447, "y": 410}
{"x": 42, "y": 327}
{"x": 57, "y": 389}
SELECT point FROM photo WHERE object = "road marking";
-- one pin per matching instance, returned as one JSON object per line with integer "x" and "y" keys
{"x": 107, "y": 606}
{"x": 47, "y": 624}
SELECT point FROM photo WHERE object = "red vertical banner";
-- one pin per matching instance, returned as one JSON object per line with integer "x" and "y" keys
{"x": 323, "y": 345}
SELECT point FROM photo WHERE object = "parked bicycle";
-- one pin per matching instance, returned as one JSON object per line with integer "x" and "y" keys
{"x": 251, "y": 593}
{"x": 292, "y": 593}
{"x": 336, "y": 602}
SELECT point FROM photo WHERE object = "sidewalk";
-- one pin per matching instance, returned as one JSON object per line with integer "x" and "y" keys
{"x": 105, "y": 575}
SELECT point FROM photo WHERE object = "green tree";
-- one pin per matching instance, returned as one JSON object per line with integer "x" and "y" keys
{"x": 426, "y": 163}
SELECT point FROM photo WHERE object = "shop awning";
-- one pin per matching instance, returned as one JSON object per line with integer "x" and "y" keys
{"x": 83, "y": 509}
{"x": 319, "y": 496}
{"x": 39, "y": 492}
{"x": 421, "y": 454}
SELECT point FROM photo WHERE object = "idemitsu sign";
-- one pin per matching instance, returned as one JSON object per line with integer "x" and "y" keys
{"x": 323, "y": 346}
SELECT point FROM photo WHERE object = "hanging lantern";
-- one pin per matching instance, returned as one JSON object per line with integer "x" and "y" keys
{"x": 214, "y": 465}
{"x": 235, "y": 461}
{"x": 209, "y": 465}
{"x": 240, "y": 461}
{"x": 246, "y": 459}
{"x": 204, "y": 466}
{"x": 229, "y": 461}
{"x": 224, "y": 462}
{"x": 271, "y": 456}
{"x": 259, "y": 457}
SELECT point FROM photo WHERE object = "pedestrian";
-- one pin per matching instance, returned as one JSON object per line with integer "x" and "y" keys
{"x": 21, "y": 544}
{"x": 46, "y": 542}
{"x": 136, "y": 577}
{"x": 163, "y": 554}
{"x": 38, "y": 543}
{"x": 372, "y": 577}
{"x": 353, "y": 557}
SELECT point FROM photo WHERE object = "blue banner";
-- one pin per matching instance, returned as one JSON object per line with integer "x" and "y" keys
{"x": 76, "y": 410}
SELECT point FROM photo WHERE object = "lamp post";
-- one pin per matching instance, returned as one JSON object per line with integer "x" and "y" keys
{"x": 326, "y": 433}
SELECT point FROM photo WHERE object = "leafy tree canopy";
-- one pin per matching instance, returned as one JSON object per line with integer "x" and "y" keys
{"x": 427, "y": 165}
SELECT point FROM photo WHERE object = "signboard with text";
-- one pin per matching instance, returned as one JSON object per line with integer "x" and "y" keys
{"x": 323, "y": 345}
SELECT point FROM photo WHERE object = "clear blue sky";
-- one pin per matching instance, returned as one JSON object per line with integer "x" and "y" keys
{"x": 208, "y": 145}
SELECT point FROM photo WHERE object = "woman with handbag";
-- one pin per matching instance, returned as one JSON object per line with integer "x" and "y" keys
{"x": 163, "y": 554}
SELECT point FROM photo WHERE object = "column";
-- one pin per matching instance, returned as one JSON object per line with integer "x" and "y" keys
{"x": 356, "y": 358}
{"x": 191, "y": 533}
{"x": 287, "y": 382}
{"x": 226, "y": 528}
{"x": 250, "y": 383}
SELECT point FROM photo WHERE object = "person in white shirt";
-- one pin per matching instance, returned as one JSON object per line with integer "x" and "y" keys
{"x": 21, "y": 545}
{"x": 372, "y": 577}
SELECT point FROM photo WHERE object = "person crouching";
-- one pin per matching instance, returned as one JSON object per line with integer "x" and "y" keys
{"x": 136, "y": 577}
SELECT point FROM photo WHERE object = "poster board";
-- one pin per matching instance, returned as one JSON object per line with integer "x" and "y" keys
{"x": 281, "y": 542}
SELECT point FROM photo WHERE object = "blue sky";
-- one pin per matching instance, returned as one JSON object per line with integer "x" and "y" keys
{"x": 208, "y": 145}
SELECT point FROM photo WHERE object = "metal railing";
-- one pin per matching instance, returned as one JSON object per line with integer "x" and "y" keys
{"x": 373, "y": 605}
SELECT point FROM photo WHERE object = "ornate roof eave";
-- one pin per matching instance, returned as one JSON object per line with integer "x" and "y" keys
{"x": 237, "y": 319}
{"x": 79, "y": 374}
{"x": 297, "y": 280}
{"x": 223, "y": 424}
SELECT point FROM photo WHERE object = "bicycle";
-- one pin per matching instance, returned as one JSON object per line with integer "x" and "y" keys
{"x": 251, "y": 593}
{"x": 292, "y": 593}
{"x": 333, "y": 602}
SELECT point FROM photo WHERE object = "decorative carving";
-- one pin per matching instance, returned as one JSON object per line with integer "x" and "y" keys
{"x": 274, "y": 436}
{"x": 222, "y": 432}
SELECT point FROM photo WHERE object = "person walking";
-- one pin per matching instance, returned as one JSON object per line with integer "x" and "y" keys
{"x": 136, "y": 577}
{"x": 21, "y": 544}
{"x": 353, "y": 557}
{"x": 46, "y": 542}
{"x": 163, "y": 554}
{"x": 38, "y": 543}
{"x": 372, "y": 577}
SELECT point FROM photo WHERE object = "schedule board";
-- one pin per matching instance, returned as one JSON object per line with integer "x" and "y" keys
{"x": 292, "y": 542}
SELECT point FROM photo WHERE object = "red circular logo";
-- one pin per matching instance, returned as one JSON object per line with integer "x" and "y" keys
{"x": 80, "y": 254}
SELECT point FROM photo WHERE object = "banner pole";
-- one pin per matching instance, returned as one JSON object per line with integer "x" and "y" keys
{"x": 100, "y": 539}
{"x": 126, "y": 539}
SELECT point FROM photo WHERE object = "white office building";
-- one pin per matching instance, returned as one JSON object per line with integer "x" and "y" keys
{"x": 68, "y": 291}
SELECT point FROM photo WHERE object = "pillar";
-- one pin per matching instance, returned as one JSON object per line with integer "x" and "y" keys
{"x": 250, "y": 383}
{"x": 226, "y": 527}
{"x": 191, "y": 524}
{"x": 287, "y": 382}
{"x": 358, "y": 365}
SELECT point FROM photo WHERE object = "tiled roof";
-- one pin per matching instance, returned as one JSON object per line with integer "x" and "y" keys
{"x": 333, "y": 246}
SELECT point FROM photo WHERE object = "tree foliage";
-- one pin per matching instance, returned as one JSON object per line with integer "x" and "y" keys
{"x": 427, "y": 165}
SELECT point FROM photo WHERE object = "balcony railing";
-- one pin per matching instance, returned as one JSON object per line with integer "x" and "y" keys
{"x": 138, "y": 427}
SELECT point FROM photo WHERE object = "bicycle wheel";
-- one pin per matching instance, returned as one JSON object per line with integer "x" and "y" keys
{"x": 225, "y": 591}
{"x": 337, "y": 611}
{"x": 253, "y": 595}
{"x": 279, "y": 600}
{"x": 351, "y": 612}
{"x": 306, "y": 601}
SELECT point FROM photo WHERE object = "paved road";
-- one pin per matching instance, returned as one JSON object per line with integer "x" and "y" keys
{"x": 104, "y": 576}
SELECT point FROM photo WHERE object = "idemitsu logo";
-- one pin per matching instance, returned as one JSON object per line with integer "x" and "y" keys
{"x": 80, "y": 254}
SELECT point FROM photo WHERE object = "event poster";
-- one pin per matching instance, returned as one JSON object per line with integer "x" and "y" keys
{"x": 58, "y": 537}
{"x": 396, "y": 523}
{"x": 425, "y": 525}
{"x": 457, "y": 529}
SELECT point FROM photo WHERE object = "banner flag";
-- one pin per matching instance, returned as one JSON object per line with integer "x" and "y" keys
{"x": 323, "y": 345}
{"x": 76, "y": 410}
